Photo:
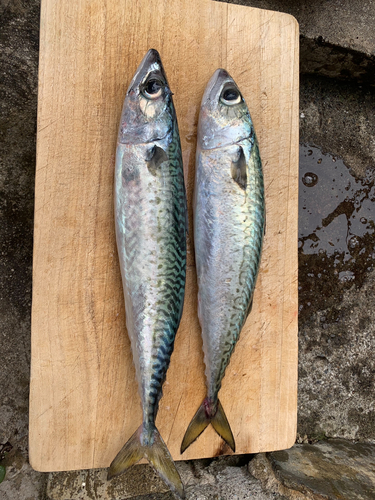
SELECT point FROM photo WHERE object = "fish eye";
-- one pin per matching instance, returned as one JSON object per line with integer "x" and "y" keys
{"x": 230, "y": 96}
{"x": 152, "y": 89}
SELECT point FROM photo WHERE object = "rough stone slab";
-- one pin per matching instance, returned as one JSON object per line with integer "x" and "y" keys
{"x": 336, "y": 379}
{"x": 339, "y": 118}
{"x": 332, "y": 470}
{"x": 21, "y": 481}
{"x": 223, "y": 478}
{"x": 18, "y": 99}
{"x": 88, "y": 484}
{"x": 19, "y": 35}
{"x": 337, "y": 36}
{"x": 340, "y": 22}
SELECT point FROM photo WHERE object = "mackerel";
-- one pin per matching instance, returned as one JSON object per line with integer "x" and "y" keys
{"x": 150, "y": 216}
{"x": 229, "y": 220}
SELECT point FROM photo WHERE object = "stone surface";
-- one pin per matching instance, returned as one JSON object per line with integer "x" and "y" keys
{"x": 339, "y": 118}
{"x": 344, "y": 23}
{"x": 329, "y": 470}
{"x": 337, "y": 368}
{"x": 320, "y": 57}
{"x": 88, "y": 484}
{"x": 18, "y": 90}
{"x": 260, "y": 468}
{"x": 333, "y": 469}
{"x": 225, "y": 482}
{"x": 225, "y": 478}
{"x": 337, "y": 319}
{"x": 337, "y": 36}
{"x": 19, "y": 31}
{"x": 21, "y": 481}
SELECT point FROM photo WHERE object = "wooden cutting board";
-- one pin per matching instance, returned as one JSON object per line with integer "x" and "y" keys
{"x": 83, "y": 401}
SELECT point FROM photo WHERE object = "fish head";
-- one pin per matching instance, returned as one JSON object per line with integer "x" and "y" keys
{"x": 148, "y": 110}
{"x": 224, "y": 118}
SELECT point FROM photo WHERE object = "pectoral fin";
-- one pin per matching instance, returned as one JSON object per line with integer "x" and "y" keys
{"x": 238, "y": 169}
{"x": 154, "y": 158}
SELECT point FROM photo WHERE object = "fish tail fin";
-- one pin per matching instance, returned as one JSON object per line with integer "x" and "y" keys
{"x": 129, "y": 455}
{"x": 197, "y": 425}
{"x": 156, "y": 453}
{"x": 160, "y": 458}
{"x": 203, "y": 417}
{"x": 221, "y": 425}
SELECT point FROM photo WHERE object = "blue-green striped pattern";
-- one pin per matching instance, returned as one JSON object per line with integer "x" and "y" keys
{"x": 151, "y": 238}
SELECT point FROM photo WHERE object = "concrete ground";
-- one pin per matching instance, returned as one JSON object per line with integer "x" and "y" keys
{"x": 337, "y": 278}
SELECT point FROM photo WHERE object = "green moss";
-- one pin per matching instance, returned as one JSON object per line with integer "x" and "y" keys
{"x": 318, "y": 436}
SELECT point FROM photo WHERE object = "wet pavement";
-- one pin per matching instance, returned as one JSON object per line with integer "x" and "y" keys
{"x": 336, "y": 389}
{"x": 336, "y": 231}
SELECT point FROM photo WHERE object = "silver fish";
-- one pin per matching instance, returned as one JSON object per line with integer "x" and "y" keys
{"x": 150, "y": 213}
{"x": 229, "y": 220}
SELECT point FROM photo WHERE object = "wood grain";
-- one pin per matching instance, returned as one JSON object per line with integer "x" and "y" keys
{"x": 83, "y": 401}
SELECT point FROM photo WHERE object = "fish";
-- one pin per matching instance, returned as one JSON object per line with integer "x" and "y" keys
{"x": 150, "y": 221}
{"x": 229, "y": 224}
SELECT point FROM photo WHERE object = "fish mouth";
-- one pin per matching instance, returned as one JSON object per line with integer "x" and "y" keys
{"x": 150, "y": 63}
{"x": 222, "y": 73}
{"x": 151, "y": 58}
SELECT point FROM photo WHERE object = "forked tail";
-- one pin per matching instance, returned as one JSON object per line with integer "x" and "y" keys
{"x": 206, "y": 415}
{"x": 155, "y": 450}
